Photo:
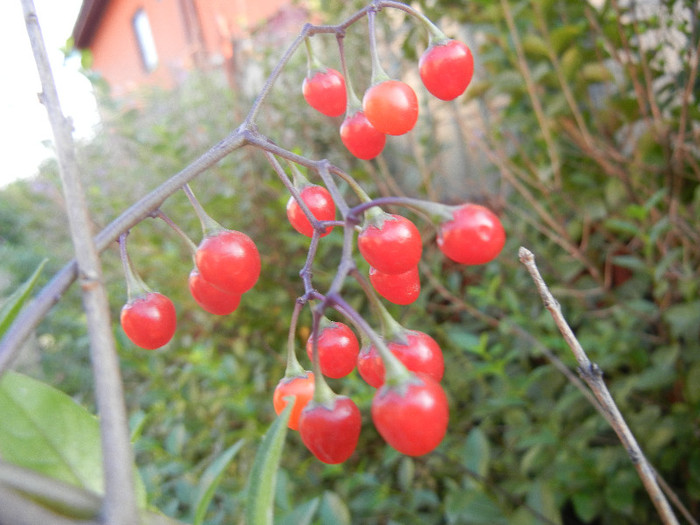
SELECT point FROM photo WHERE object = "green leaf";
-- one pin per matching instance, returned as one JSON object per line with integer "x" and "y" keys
{"x": 44, "y": 430}
{"x": 562, "y": 36}
{"x": 587, "y": 504}
{"x": 541, "y": 498}
{"x": 473, "y": 507}
{"x": 684, "y": 320}
{"x": 596, "y": 72}
{"x": 211, "y": 479}
{"x": 334, "y": 510}
{"x": 12, "y": 305}
{"x": 261, "y": 484}
{"x": 301, "y": 515}
{"x": 477, "y": 452}
{"x": 535, "y": 46}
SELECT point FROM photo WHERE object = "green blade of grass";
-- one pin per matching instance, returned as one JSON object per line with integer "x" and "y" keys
{"x": 263, "y": 476}
{"x": 210, "y": 481}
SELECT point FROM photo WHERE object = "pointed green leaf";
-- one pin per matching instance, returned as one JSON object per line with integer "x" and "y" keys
{"x": 210, "y": 480}
{"x": 44, "y": 430}
{"x": 477, "y": 452}
{"x": 301, "y": 515}
{"x": 534, "y": 45}
{"x": 12, "y": 305}
{"x": 261, "y": 484}
{"x": 334, "y": 510}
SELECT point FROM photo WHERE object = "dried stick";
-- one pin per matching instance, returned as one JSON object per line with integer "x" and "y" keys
{"x": 120, "y": 500}
{"x": 593, "y": 376}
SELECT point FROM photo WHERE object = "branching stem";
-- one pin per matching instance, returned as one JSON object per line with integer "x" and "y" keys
{"x": 593, "y": 376}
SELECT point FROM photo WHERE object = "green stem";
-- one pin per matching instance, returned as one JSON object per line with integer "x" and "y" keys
{"x": 135, "y": 286}
{"x": 312, "y": 63}
{"x": 392, "y": 330}
{"x": 354, "y": 103}
{"x": 209, "y": 225}
{"x": 191, "y": 246}
{"x": 323, "y": 394}
{"x": 294, "y": 368}
{"x": 396, "y": 372}
{"x": 378, "y": 73}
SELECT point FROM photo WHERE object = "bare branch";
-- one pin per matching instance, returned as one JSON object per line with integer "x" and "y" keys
{"x": 593, "y": 376}
{"x": 117, "y": 460}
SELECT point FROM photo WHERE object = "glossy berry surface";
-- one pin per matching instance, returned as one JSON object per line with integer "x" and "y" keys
{"x": 411, "y": 417}
{"x": 420, "y": 353}
{"x": 391, "y": 106}
{"x": 360, "y": 137}
{"x": 229, "y": 260}
{"x": 446, "y": 69}
{"x": 393, "y": 247}
{"x": 325, "y": 92}
{"x": 209, "y": 297}
{"x": 399, "y": 288}
{"x": 149, "y": 321}
{"x": 299, "y": 387}
{"x": 475, "y": 235}
{"x": 321, "y": 204}
{"x": 331, "y": 433}
{"x": 337, "y": 350}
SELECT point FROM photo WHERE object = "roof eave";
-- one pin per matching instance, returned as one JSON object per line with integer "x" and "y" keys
{"x": 88, "y": 19}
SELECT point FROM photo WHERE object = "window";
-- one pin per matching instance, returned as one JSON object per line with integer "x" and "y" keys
{"x": 144, "y": 37}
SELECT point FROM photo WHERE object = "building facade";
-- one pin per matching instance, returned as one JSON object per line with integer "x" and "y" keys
{"x": 138, "y": 43}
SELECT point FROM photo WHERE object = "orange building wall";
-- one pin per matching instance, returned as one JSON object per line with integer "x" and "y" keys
{"x": 115, "y": 48}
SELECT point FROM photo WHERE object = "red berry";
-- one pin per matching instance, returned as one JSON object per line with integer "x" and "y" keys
{"x": 399, "y": 288}
{"x": 420, "y": 353}
{"x": 446, "y": 69}
{"x": 475, "y": 235}
{"x": 321, "y": 204}
{"x": 149, "y": 321}
{"x": 394, "y": 246}
{"x": 331, "y": 433}
{"x": 325, "y": 92}
{"x": 391, "y": 106}
{"x": 337, "y": 350}
{"x": 301, "y": 388}
{"x": 229, "y": 260}
{"x": 360, "y": 137}
{"x": 411, "y": 417}
{"x": 209, "y": 297}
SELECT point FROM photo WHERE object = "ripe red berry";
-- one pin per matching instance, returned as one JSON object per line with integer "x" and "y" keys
{"x": 229, "y": 260}
{"x": 149, "y": 321}
{"x": 321, "y": 204}
{"x": 360, "y": 137}
{"x": 411, "y": 417}
{"x": 209, "y": 297}
{"x": 301, "y": 388}
{"x": 325, "y": 92}
{"x": 420, "y": 353}
{"x": 391, "y": 106}
{"x": 331, "y": 433}
{"x": 399, "y": 288}
{"x": 394, "y": 246}
{"x": 474, "y": 235}
{"x": 337, "y": 350}
{"x": 446, "y": 69}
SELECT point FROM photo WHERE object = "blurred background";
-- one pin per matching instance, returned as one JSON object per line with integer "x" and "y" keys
{"x": 580, "y": 129}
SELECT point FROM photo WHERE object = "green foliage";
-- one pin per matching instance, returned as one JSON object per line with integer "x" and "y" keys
{"x": 591, "y": 167}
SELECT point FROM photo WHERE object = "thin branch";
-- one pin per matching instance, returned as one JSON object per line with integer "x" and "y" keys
{"x": 119, "y": 506}
{"x": 593, "y": 376}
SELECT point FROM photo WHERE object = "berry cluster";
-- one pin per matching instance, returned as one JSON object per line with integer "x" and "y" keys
{"x": 388, "y": 106}
{"x": 409, "y": 408}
